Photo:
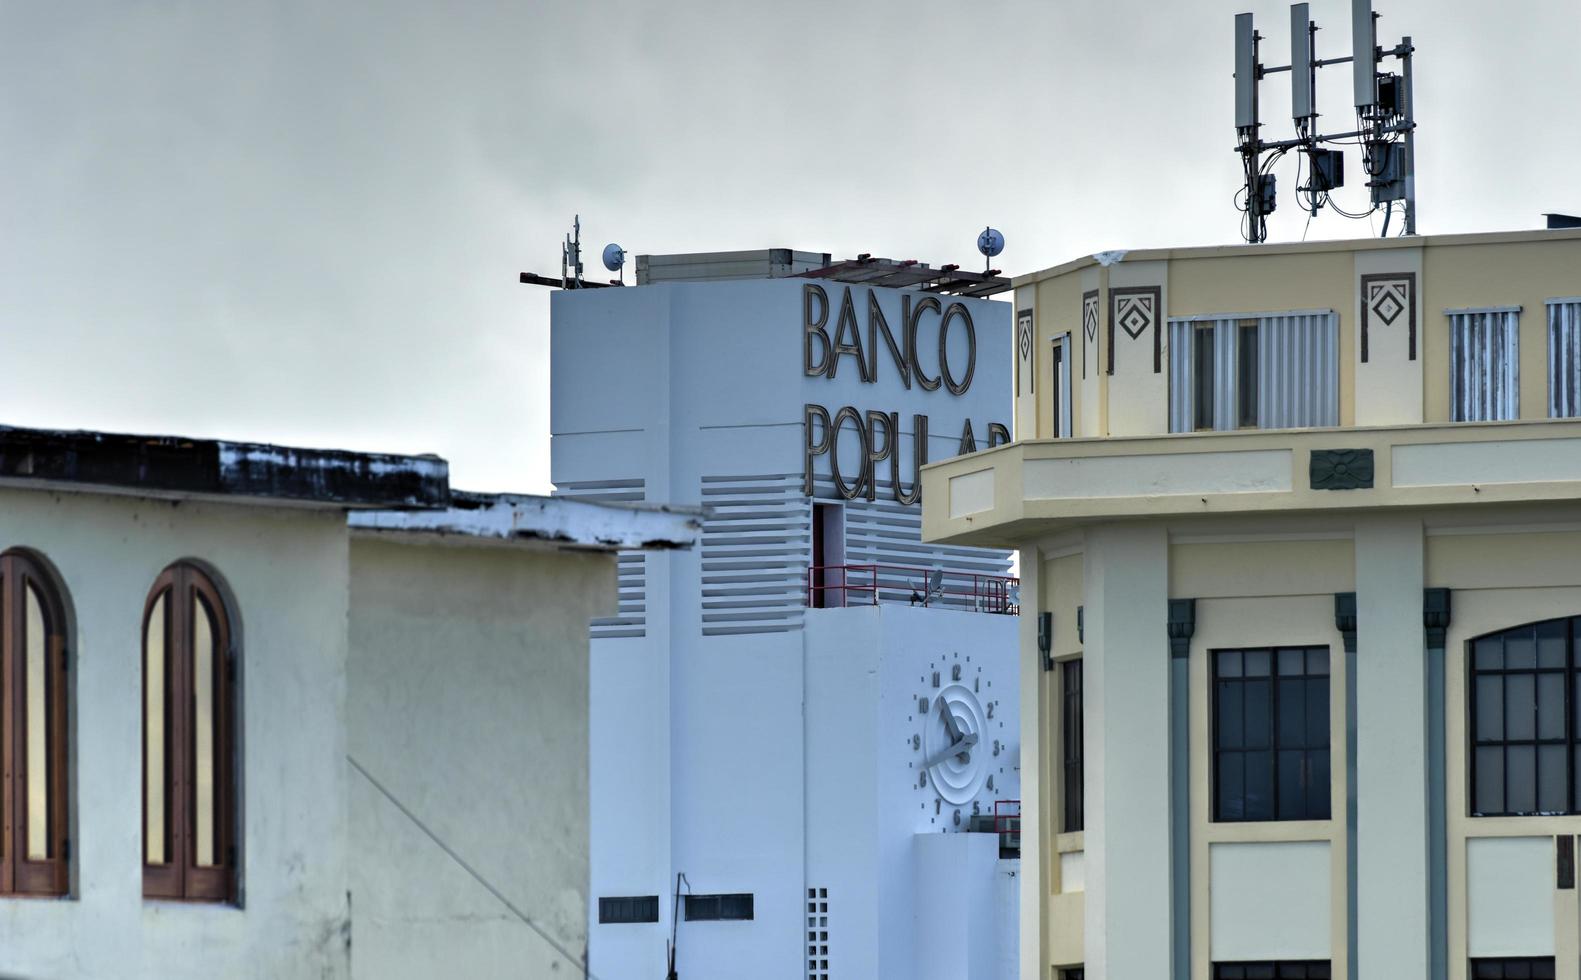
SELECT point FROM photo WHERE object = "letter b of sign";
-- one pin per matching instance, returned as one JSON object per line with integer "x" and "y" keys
{"x": 815, "y": 334}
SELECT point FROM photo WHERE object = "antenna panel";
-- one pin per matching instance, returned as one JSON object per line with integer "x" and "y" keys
{"x": 1364, "y": 47}
{"x": 1245, "y": 72}
{"x": 1301, "y": 61}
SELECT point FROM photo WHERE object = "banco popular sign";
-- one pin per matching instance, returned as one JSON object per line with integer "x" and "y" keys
{"x": 917, "y": 348}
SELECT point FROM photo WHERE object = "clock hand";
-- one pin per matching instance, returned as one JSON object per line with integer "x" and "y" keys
{"x": 949, "y": 722}
{"x": 958, "y": 747}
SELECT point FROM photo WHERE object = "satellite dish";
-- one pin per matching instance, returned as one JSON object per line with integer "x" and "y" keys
{"x": 615, "y": 257}
{"x": 990, "y": 242}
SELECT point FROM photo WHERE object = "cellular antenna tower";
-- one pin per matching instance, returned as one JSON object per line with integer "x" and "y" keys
{"x": 1385, "y": 122}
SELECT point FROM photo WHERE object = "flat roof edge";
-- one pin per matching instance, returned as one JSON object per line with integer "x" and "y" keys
{"x": 176, "y": 465}
{"x": 532, "y": 520}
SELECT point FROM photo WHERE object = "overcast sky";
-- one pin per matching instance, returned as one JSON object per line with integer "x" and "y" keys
{"x": 303, "y": 223}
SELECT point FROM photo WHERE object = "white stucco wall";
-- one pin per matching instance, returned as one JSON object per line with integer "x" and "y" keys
{"x": 866, "y": 668}
{"x": 469, "y": 702}
{"x": 1270, "y": 900}
{"x": 703, "y": 758}
{"x": 286, "y": 569}
{"x": 1510, "y": 893}
{"x": 956, "y": 933}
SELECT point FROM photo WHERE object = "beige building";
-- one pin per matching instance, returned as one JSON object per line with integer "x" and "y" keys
{"x": 1302, "y": 689}
{"x": 272, "y": 712}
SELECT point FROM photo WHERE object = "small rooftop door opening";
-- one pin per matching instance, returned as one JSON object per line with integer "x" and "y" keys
{"x": 828, "y": 555}
{"x": 1061, "y": 392}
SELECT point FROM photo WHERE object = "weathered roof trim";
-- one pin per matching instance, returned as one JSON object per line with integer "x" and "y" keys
{"x": 1287, "y": 248}
{"x": 536, "y": 521}
{"x": 164, "y": 466}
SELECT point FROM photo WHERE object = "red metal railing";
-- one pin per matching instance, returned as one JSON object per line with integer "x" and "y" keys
{"x": 1007, "y": 824}
{"x": 868, "y": 585}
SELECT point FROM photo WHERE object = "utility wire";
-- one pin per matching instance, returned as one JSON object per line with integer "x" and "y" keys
{"x": 574, "y": 960}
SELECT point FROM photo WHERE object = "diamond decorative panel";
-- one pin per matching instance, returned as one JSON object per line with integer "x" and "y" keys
{"x": 1024, "y": 337}
{"x": 1089, "y": 327}
{"x": 1386, "y": 299}
{"x": 1136, "y": 310}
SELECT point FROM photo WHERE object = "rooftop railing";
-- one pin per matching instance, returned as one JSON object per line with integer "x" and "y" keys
{"x": 839, "y": 586}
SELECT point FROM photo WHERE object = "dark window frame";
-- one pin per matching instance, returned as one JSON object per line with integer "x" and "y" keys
{"x": 181, "y": 877}
{"x": 1479, "y": 750}
{"x": 1246, "y": 374}
{"x": 622, "y": 909}
{"x": 723, "y": 907}
{"x": 1511, "y": 968}
{"x": 1273, "y": 970}
{"x": 1072, "y": 746}
{"x": 1311, "y": 749}
{"x": 1061, "y": 394}
{"x": 1204, "y": 388}
{"x": 20, "y": 875}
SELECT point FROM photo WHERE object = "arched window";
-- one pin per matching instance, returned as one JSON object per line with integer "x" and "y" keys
{"x": 1525, "y": 692}
{"x": 33, "y": 846}
{"x": 189, "y": 740}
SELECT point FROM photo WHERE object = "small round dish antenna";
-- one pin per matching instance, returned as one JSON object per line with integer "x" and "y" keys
{"x": 615, "y": 259}
{"x": 990, "y": 243}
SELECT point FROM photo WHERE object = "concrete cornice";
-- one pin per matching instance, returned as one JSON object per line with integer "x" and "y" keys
{"x": 1293, "y": 248}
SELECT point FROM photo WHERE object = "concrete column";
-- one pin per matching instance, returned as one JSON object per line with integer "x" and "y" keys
{"x": 1037, "y": 826}
{"x": 1392, "y": 922}
{"x": 1125, "y": 679}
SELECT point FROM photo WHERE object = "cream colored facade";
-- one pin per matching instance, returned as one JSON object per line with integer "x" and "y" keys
{"x": 1388, "y": 534}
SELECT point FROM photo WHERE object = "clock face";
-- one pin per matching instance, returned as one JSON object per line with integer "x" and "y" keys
{"x": 959, "y": 749}
{"x": 952, "y": 749}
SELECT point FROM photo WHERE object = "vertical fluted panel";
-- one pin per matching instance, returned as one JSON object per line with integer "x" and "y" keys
{"x": 1181, "y": 360}
{"x": 1298, "y": 371}
{"x": 1564, "y": 359}
{"x": 1484, "y": 365}
{"x": 1226, "y": 381}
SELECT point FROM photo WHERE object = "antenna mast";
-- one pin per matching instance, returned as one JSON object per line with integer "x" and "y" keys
{"x": 1385, "y": 121}
{"x": 571, "y": 257}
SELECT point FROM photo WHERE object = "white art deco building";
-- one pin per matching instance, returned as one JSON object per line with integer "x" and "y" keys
{"x": 797, "y": 727}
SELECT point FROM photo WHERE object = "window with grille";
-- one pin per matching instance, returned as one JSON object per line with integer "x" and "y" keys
{"x": 1513, "y": 968}
{"x": 34, "y": 848}
{"x": 189, "y": 740}
{"x": 1525, "y": 683}
{"x": 1273, "y": 970}
{"x": 628, "y": 908}
{"x": 1270, "y": 371}
{"x": 1071, "y": 739}
{"x": 1484, "y": 364}
{"x": 709, "y": 908}
{"x": 1564, "y": 358}
{"x": 1271, "y": 734}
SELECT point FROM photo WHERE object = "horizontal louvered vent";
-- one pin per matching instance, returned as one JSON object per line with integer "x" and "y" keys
{"x": 755, "y": 551}
{"x": 631, "y": 619}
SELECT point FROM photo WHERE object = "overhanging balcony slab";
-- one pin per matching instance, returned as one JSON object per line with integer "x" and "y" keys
{"x": 1006, "y": 495}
